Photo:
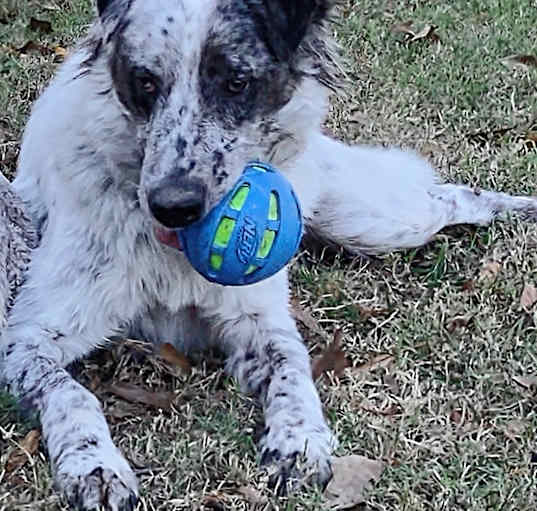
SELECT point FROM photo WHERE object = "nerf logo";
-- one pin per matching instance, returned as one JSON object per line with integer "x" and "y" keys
{"x": 247, "y": 240}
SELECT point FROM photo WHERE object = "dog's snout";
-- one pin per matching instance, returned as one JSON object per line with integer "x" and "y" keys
{"x": 177, "y": 203}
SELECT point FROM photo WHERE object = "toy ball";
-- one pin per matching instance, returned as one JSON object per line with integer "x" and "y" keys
{"x": 251, "y": 234}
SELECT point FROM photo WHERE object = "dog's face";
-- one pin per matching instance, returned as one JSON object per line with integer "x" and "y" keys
{"x": 206, "y": 82}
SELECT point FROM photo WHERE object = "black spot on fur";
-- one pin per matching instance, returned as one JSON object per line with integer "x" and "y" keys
{"x": 218, "y": 159}
{"x": 181, "y": 145}
{"x": 107, "y": 184}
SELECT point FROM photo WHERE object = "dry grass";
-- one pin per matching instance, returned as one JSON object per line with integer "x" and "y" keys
{"x": 449, "y": 414}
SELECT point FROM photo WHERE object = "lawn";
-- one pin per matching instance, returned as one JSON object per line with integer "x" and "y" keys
{"x": 442, "y": 341}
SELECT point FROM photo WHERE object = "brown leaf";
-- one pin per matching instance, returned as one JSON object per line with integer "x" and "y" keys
{"x": 531, "y": 136}
{"x": 456, "y": 323}
{"x": 377, "y": 362}
{"x": 172, "y": 356}
{"x": 490, "y": 270}
{"x": 529, "y": 296}
{"x": 305, "y": 317}
{"x": 20, "y": 456}
{"x": 403, "y": 28}
{"x": 427, "y": 32}
{"x": 332, "y": 359}
{"x": 522, "y": 61}
{"x": 40, "y": 26}
{"x": 251, "y": 495}
{"x": 482, "y": 138}
{"x": 33, "y": 47}
{"x": 61, "y": 52}
{"x": 137, "y": 394}
{"x": 352, "y": 478}
{"x": 371, "y": 312}
{"x": 456, "y": 417}
{"x": 216, "y": 501}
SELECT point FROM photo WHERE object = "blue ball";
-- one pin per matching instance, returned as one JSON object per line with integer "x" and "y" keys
{"x": 251, "y": 234}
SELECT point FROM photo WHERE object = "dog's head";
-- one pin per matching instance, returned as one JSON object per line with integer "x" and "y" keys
{"x": 211, "y": 85}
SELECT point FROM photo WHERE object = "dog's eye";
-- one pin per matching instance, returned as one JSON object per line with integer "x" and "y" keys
{"x": 237, "y": 85}
{"x": 146, "y": 82}
{"x": 148, "y": 86}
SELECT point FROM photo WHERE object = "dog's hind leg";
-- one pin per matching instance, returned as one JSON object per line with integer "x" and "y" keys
{"x": 374, "y": 200}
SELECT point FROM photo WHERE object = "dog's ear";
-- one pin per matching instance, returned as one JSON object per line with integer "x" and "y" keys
{"x": 285, "y": 22}
{"x": 102, "y": 5}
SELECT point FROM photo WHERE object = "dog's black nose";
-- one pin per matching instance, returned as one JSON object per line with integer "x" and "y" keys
{"x": 177, "y": 203}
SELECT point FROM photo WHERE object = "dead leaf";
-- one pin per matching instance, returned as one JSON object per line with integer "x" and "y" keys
{"x": 456, "y": 323}
{"x": 304, "y": 316}
{"x": 137, "y": 394}
{"x": 529, "y": 296}
{"x": 33, "y": 47}
{"x": 371, "y": 312}
{"x": 531, "y": 136}
{"x": 529, "y": 382}
{"x": 428, "y": 32}
{"x": 352, "y": 478}
{"x": 60, "y": 52}
{"x": 521, "y": 61}
{"x": 332, "y": 359}
{"x": 515, "y": 428}
{"x": 482, "y": 138}
{"x": 377, "y": 362}
{"x": 403, "y": 28}
{"x": 40, "y": 26}
{"x": 20, "y": 456}
{"x": 251, "y": 495}
{"x": 456, "y": 416}
{"x": 490, "y": 270}
{"x": 168, "y": 353}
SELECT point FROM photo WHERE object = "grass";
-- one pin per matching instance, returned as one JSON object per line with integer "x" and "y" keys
{"x": 448, "y": 416}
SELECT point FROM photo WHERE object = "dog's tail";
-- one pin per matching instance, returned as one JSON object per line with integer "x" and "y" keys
{"x": 374, "y": 200}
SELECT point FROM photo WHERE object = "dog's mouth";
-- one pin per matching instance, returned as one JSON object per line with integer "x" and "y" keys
{"x": 167, "y": 236}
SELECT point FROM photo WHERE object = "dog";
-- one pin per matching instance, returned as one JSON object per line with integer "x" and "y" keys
{"x": 146, "y": 126}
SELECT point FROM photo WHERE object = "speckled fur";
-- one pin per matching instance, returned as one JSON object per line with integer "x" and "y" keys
{"x": 99, "y": 270}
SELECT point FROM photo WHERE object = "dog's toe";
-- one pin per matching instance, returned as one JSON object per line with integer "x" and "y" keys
{"x": 297, "y": 458}
{"x": 102, "y": 488}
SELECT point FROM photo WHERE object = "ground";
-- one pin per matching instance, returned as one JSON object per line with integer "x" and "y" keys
{"x": 441, "y": 340}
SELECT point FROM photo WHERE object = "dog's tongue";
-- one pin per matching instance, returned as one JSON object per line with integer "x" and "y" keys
{"x": 167, "y": 237}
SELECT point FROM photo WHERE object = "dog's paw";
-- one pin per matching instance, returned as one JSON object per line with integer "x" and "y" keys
{"x": 295, "y": 456}
{"x": 92, "y": 484}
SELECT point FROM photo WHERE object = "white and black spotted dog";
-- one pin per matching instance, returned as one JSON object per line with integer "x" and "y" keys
{"x": 146, "y": 126}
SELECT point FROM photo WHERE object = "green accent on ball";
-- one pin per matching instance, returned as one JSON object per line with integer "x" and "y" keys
{"x": 273, "y": 207}
{"x": 238, "y": 200}
{"x": 266, "y": 244}
{"x": 216, "y": 261}
{"x": 224, "y": 231}
{"x": 250, "y": 269}
{"x": 261, "y": 169}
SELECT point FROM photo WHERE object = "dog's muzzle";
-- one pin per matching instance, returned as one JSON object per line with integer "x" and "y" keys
{"x": 176, "y": 203}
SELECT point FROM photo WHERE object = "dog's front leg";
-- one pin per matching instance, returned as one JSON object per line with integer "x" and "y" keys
{"x": 88, "y": 468}
{"x": 268, "y": 358}
{"x": 61, "y": 313}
